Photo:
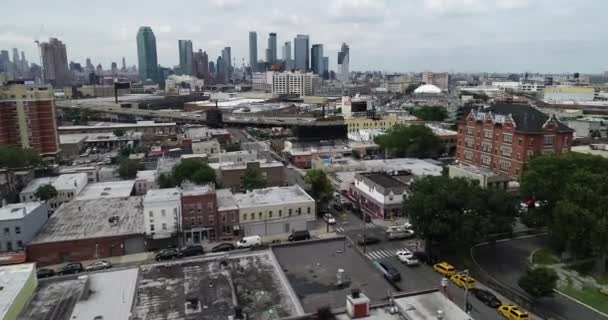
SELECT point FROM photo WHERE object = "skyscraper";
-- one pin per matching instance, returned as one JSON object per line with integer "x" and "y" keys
{"x": 343, "y": 59}
{"x": 4, "y": 61}
{"x": 185, "y": 57}
{"x": 146, "y": 55}
{"x": 89, "y": 66}
{"x": 227, "y": 65}
{"x": 220, "y": 70}
{"x": 24, "y": 64}
{"x": 124, "y": 64}
{"x": 287, "y": 51}
{"x": 200, "y": 64}
{"x": 55, "y": 62}
{"x": 16, "y": 59}
{"x": 325, "y": 68}
{"x": 253, "y": 51}
{"x": 316, "y": 59}
{"x": 271, "y": 56}
{"x": 301, "y": 51}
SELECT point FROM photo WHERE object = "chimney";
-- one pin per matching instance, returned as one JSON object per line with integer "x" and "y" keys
{"x": 357, "y": 304}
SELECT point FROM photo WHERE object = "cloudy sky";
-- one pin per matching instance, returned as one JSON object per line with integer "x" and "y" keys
{"x": 390, "y": 35}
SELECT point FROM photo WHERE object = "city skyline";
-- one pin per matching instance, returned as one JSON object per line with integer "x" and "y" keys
{"x": 437, "y": 35}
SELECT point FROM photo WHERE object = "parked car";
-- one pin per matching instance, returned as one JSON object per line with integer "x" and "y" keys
{"x": 44, "y": 273}
{"x": 167, "y": 254}
{"x": 512, "y": 312}
{"x": 98, "y": 265}
{"x": 487, "y": 297}
{"x": 248, "y": 242}
{"x": 348, "y": 206}
{"x": 192, "y": 251}
{"x": 366, "y": 241}
{"x": 421, "y": 256}
{"x": 223, "y": 247}
{"x": 407, "y": 257}
{"x": 338, "y": 207}
{"x": 444, "y": 269}
{"x": 299, "y": 235}
{"x": 463, "y": 281}
{"x": 390, "y": 273}
{"x": 329, "y": 218}
{"x": 71, "y": 268}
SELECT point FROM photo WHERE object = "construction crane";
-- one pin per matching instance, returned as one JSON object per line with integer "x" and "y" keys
{"x": 36, "y": 40}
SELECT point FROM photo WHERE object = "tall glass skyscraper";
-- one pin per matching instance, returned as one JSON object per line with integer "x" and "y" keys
{"x": 343, "y": 62}
{"x": 316, "y": 59}
{"x": 146, "y": 55}
{"x": 227, "y": 64}
{"x": 271, "y": 57}
{"x": 301, "y": 45}
{"x": 185, "y": 57}
{"x": 325, "y": 68}
{"x": 253, "y": 51}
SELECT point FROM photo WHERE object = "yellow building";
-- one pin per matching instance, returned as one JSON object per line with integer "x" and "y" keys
{"x": 356, "y": 124}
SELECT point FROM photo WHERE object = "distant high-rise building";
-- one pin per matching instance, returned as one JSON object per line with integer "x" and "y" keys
{"x": 75, "y": 67}
{"x": 28, "y": 118}
{"x": 253, "y": 51}
{"x": 316, "y": 59}
{"x": 343, "y": 61}
{"x": 23, "y": 62}
{"x": 271, "y": 56}
{"x": 227, "y": 67}
{"x": 287, "y": 55}
{"x": 89, "y": 66}
{"x": 201, "y": 65}
{"x": 146, "y": 55}
{"x": 4, "y": 61}
{"x": 212, "y": 69}
{"x": 99, "y": 69}
{"x": 301, "y": 51}
{"x": 325, "y": 68}
{"x": 55, "y": 63}
{"x": 16, "y": 59}
{"x": 124, "y": 64}
{"x": 220, "y": 70}
{"x": 114, "y": 68}
{"x": 185, "y": 57}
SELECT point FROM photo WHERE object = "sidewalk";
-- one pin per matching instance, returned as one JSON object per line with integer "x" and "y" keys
{"x": 119, "y": 260}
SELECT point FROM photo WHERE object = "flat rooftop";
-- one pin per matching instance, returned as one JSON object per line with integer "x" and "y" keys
{"x": 107, "y": 190}
{"x": 225, "y": 200}
{"x": 85, "y": 219}
{"x": 384, "y": 180}
{"x": 272, "y": 196}
{"x": 311, "y": 269}
{"x": 16, "y": 211}
{"x": 55, "y": 299}
{"x": 191, "y": 189}
{"x": 204, "y": 132}
{"x": 113, "y": 125}
{"x": 159, "y": 195}
{"x": 425, "y": 306}
{"x": 147, "y": 175}
{"x": 69, "y": 181}
{"x": 253, "y": 281}
{"x": 418, "y": 167}
{"x": 34, "y": 184}
{"x": 263, "y": 164}
{"x": 12, "y": 280}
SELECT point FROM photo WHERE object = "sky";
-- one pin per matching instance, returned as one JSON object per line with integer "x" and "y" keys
{"x": 388, "y": 35}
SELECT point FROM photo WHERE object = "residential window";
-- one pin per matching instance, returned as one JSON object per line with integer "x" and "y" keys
{"x": 505, "y": 165}
{"x": 244, "y": 217}
{"x": 151, "y": 227}
{"x": 260, "y": 215}
{"x": 18, "y": 230}
{"x": 507, "y": 137}
{"x": 175, "y": 211}
{"x": 19, "y": 244}
{"x": 211, "y": 219}
{"x": 485, "y": 160}
{"x": 487, "y": 133}
{"x": 519, "y": 141}
{"x": 269, "y": 214}
{"x": 253, "y": 216}
{"x": 7, "y": 231}
{"x": 162, "y": 212}
{"x": 468, "y": 155}
{"x": 531, "y": 142}
{"x": 308, "y": 210}
{"x": 280, "y": 213}
{"x": 530, "y": 153}
{"x": 151, "y": 214}
{"x": 486, "y": 147}
{"x": 506, "y": 152}
{"x": 468, "y": 142}
{"x": 9, "y": 246}
{"x": 565, "y": 141}
{"x": 164, "y": 227}
{"x": 290, "y": 211}
{"x": 299, "y": 211}
{"x": 549, "y": 140}
{"x": 470, "y": 131}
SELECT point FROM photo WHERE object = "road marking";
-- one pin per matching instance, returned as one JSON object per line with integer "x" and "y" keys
{"x": 340, "y": 229}
{"x": 370, "y": 225}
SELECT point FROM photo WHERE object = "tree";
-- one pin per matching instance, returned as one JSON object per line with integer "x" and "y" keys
{"x": 338, "y": 110}
{"x": 166, "y": 181}
{"x": 46, "y": 192}
{"x": 432, "y": 113}
{"x": 410, "y": 89}
{"x": 457, "y": 211}
{"x": 17, "y": 157}
{"x": 203, "y": 175}
{"x": 324, "y": 313}
{"x": 128, "y": 169}
{"x": 417, "y": 141}
{"x": 119, "y": 132}
{"x": 319, "y": 186}
{"x": 253, "y": 179}
{"x": 539, "y": 282}
{"x": 193, "y": 170}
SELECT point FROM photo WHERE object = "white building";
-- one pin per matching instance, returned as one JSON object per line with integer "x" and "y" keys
{"x": 162, "y": 212}
{"x": 184, "y": 84}
{"x": 262, "y": 81}
{"x": 145, "y": 180}
{"x": 234, "y": 157}
{"x": 300, "y": 83}
{"x": 18, "y": 283}
{"x": 277, "y": 210}
{"x": 572, "y": 94}
{"x": 68, "y": 187}
{"x": 209, "y": 147}
{"x": 107, "y": 190}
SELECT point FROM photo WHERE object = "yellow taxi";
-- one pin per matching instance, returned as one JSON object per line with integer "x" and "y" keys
{"x": 463, "y": 281}
{"x": 512, "y": 312}
{"x": 444, "y": 269}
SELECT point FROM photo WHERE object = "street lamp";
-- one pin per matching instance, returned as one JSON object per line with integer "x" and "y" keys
{"x": 466, "y": 289}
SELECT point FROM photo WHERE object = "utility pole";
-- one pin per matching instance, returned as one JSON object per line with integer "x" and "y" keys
{"x": 466, "y": 290}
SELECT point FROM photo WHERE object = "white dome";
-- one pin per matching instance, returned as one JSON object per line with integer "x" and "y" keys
{"x": 427, "y": 88}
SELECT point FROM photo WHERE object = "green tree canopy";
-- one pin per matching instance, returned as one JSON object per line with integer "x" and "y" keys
{"x": 253, "y": 179}
{"x": 417, "y": 141}
{"x": 539, "y": 282}
{"x": 457, "y": 211}
{"x": 128, "y": 169}
{"x": 119, "y": 132}
{"x": 166, "y": 181}
{"x": 17, "y": 157}
{"x": 432, "y": 113}
{"x": 319, "y": 186}
{"x": 46, "y": 192}
{"x": 410, "y": 89}
{"x": 194, "y": 170}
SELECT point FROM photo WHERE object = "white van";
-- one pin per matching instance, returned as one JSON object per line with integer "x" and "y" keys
{"x": 248, "y": 242}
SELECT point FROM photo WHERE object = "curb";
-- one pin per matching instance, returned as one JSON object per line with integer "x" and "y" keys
{"x": 580, "y": 302}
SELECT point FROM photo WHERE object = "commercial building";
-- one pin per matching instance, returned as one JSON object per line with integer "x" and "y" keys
{"x": 148, "y": 128}
{"x": 162, "y": 213}
{"x": 201, "y": 220}
{"x": 208, "y": 147}
{"x": 586, "y": 127}
{"x": 301, "y": 45}
{"x": 271, "y": 57}
{"x": 184, "y": 84}
{"x": 234, "y": 157}
{"x": 20, "y": 223}
{"x": 380, "y": 194}
{"x": 230, "y": 175}
{"x": 487, "y": 178}
{"x": 343, "y": 63}
{"x": 28, "y": 118}
{"x": 295, "y": 83}
{"x": 18, "y": 283}
{"x": 226, "y": 65}
{"x": 316, "y": 59}
{"x": 55, "y": 63}
{"x": 262, "y": 81}
{"x": 185, "y": 57}
{"x": 90, "y": 229}
{"x": 570, "y": 94}
{"x": 253, "y": 51}
{"x": 228, "y": 212}
{"x": 277, "y": 210}
{"x": 503, "y": 137}
{"x": 146, "y": 55}
{"x": 68, "y": 186}
{"x": 108, "y": 190}
{"x": 287, "y": 56}
{"x": 145, "y": 180}
{"x": 363, "y": 123}
{"x": 439, "y": 79}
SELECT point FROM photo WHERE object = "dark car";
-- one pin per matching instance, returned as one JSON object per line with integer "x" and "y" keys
{"x": 338, "y": 207}
{"x": 71, "y": 268}
{"x": 44, "y": 273}
{"x": 167, "y": 254}
{"x": 421, "y": 256}
{"x": 366, "y": 241}
{"x": 299, "y": 235}
{"x": 487, "y": 297}
{"x": 390, "y": 273}
{"x": 348, "y": 206}
{"x": 223, "y": 247}
{"x": 192, "y": 251}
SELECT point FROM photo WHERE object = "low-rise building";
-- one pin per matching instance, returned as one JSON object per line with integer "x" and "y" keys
{"x": 199, "y": 214}
{"x": 209, "y": 147}
{"x": 18, "y": 283}
{"x": 13, "y": 180}
{"x": 145, "y": 180}
{"x": 235, "y": 157}
{"x": 276, "y": 210}
{"x": 486, "y": 177}
{"x": 108, "y": 190}
{"x": 68, "y": 187}
{"x": 206, "y": 133}
{"x": 92, "y": 171}
{"x": 162, "y": 213}
{"x": 380, "y": 194}
{"x": 90, "y": 229}
{"x": 231, "y": 175}
{"x": 20, "y": 223}
{"x": 146, "y": 127}
{"x": 228, "y": 212}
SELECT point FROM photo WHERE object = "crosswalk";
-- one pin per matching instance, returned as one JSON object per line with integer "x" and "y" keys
{"x": 383, "y": 253}
{"x": 345, "y": 228}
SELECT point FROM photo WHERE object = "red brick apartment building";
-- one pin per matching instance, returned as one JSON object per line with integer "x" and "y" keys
{"x": 28, "y": 117}
{"x": 503, "y": 137}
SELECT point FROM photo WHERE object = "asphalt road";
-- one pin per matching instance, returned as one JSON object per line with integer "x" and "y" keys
{"x": 507, "y": 261}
